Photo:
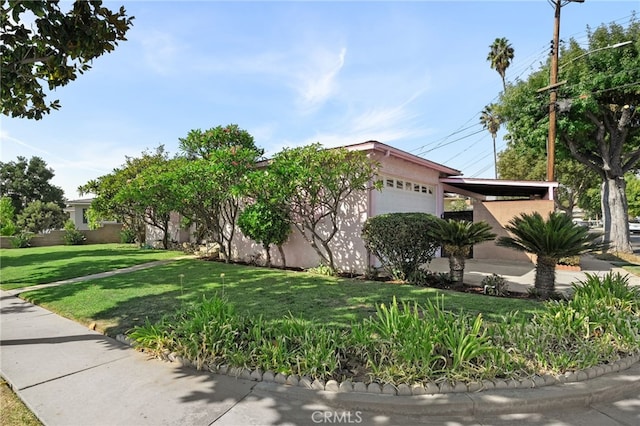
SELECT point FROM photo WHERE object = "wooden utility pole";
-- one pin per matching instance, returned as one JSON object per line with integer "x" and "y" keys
{"x": 553, "y": 82}
{"x": 553, "y": 85}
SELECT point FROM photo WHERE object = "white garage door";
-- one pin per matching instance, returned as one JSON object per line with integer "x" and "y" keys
{"x": 400, "y": 196}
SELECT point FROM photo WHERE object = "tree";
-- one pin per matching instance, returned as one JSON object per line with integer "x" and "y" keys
{"x": 7, "y": 217}
{"x": 267, "y": 224}
{"x": 457, "y": 239}
{"x": 500, "y": 56}
{"x": 41, "y": 217}
{"x": 210, "y": 190}
{"x": 491, "y": 121}
{"x": 27, "y": 181}
{"x": 318, "y": 183}
{"x": 267, "y": 219}
{"x": 598, "y": 124}
{"x": 199, "y": 144}
{"x": 117, "y": 199}
{"x": 209, "y": 180}
{"x": 550, "y": 240}
{"x": 52, "y": 49}
{"x": 150, "y": 192}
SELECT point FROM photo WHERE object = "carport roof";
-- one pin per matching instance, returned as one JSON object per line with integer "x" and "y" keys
{"x": 482, "y": 188}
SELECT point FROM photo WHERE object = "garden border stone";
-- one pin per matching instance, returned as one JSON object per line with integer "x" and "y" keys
{"x": 404, "y": 389}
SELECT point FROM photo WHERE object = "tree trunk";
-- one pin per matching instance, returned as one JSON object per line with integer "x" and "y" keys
{"x": 267, "y": 249}
{"x": 615, "y": 218}
{"x": 284, "y": 260}
{"x": 456, "y": 269}
{"x": 545, "y": 281}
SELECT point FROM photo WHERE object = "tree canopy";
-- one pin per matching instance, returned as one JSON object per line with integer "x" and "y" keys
{"x": 25, "y": 181}
{"x": 52, "y": 50}
{"x": 598, "y": 123}
{"x": 318, "y": 182}
{"x": 200, "y": 144}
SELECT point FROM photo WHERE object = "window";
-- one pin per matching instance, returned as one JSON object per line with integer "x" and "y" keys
{"x": 399, "y": 184}
{"x": 390, "y": 183}
{"x": 84, "y": 216}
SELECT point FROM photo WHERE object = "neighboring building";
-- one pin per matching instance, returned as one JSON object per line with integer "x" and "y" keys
{"x": 77, "y": 210}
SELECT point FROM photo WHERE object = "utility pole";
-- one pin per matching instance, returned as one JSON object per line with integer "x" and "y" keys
{"x": 553, "y": 85}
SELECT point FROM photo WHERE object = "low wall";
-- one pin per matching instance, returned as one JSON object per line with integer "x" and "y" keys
{"x": 108, "y": 233}
{"x": 498, "y": 214}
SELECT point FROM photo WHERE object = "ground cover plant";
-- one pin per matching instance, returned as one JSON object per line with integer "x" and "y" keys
{"x": 40, "y": 265}
{"x": 410, "y": 342}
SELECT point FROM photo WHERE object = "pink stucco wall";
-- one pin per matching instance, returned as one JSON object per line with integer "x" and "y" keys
{"x": 347, "y": 246}
{"x": 349, "y": 252}
{"x": 498, "y": 214}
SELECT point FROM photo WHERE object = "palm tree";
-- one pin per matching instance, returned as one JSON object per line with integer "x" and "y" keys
{"x": 500, "y": 56}
{"x": 457, "y": 238}
{"x": 491, "y": 121}
{"x": 550, "y": 240}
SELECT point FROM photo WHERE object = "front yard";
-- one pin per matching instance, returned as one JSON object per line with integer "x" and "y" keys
{"x": 40, "y": 265}
{"x": 213, "y": 313}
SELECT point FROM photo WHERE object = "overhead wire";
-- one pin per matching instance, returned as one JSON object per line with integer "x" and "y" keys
{"x": 529, "y": 63}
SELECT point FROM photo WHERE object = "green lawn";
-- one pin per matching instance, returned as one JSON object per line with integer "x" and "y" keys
{"x": 39, "y": 265}
{"x": 118, "y": 303}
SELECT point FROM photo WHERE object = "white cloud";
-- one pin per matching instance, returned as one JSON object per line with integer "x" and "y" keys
{"x": 160, "y": 52}
{"x": 316, "y": 80}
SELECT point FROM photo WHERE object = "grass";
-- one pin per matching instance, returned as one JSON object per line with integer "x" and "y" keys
{"x": 14, "y": 412}
{"x": 39, "y": 265}
{"x": 628, "y": 262}
{"x": 118, "y": 303}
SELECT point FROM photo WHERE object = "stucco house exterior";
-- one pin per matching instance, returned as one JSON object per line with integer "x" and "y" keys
{"x": 77, "y": 210}
{"x": 409, "y": 184}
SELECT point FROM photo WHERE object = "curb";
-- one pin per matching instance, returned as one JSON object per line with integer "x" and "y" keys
{"x": 578, "y": 388}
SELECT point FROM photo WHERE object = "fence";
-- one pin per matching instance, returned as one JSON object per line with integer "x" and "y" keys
{"x": 108, "y": 233}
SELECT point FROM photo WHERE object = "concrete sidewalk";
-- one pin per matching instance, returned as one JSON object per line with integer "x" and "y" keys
{"x": 69, "y": 375}
{"x": 520, "y": 276}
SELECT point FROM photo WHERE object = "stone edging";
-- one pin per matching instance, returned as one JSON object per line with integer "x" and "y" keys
{"x": 402, "y": 389}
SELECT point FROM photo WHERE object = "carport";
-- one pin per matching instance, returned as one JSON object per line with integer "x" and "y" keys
{"x": 497, "y": 201}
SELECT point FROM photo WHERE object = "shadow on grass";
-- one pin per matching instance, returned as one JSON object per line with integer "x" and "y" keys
{"x": 122, "y": 302}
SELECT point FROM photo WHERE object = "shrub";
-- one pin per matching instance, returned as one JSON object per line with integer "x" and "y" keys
{"x": 401, "y": 241}
{"x": 322, "y": 270}
{"x": 8, "y": 229}
{"x": 22, "y": 240}
{"x": 495, "y": 284}
{"x": 72, "y": 237}
{"x": 127, "y": 236}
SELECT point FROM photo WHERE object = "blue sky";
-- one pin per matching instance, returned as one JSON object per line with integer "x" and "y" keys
{"x": 412, "y": 74}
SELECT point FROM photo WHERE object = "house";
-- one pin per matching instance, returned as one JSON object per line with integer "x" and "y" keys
{"x": 413, "y": 184}
{"x": 410, "y": 184}
{"x": 77, "y": 210}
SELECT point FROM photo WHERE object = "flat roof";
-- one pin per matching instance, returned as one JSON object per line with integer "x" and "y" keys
{"x": 481, "y": 188}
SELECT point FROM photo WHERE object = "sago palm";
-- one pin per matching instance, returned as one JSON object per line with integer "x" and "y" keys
{"x": 457, "y": 238}
{"x": 550, "y": 240}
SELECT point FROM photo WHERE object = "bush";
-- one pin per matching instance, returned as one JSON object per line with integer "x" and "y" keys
{"x": 72, "y": 237}
{"x": 22, "y": 240}
{"x": 401, "y": 241}
{"x": 127, "y": 236}
{"x": 8, "y": 229}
